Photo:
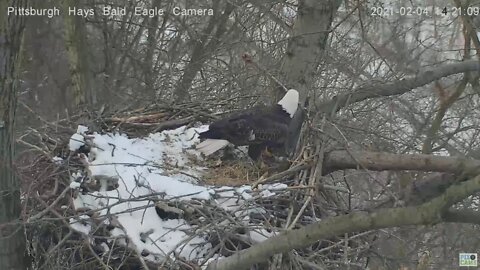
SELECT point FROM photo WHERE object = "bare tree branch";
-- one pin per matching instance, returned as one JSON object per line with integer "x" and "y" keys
{"x": 462, "y": 216}
{"x": 377, "y": 161}
{"x": 402, "y": 86}
{"x": 202, "y": 50}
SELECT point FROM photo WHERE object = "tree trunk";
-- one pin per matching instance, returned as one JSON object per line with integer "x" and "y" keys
{"x": 305, "y": 48}
{"x": 307, "y": 43}
{"x": 12, "y": 240}
{"x": 151, "y": 48}
{"x": 76, "y": 45}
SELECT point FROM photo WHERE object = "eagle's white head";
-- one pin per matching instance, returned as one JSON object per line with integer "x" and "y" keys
{"x": 289, "y": 102}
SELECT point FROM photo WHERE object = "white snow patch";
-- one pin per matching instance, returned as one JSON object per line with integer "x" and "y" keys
{"x": 76, "y": 141}
{"x": 157, "y": 166}
{"x": 269, "y": 190}
{"x": 82, "y": 129}
{"x": 57, "y": 160}
{"x": 74, "y": 185}
{"x": 260, "y": 235}
{"x": 81, "y": 224}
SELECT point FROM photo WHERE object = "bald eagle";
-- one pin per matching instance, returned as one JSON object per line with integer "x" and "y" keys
{"x": 258, "y": 127}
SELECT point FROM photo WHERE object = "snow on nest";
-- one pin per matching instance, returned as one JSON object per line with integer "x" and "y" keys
{"x": 158, "y": 164}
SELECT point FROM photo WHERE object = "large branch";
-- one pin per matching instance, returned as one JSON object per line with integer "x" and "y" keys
{"x": 398, "y": 87}
{"x": 462, "y": 216}
{"x": 307, "y": 44}
{"x": 306, "y": 47}
{"x": 380, "y": 161}
{"x": 424, "y": 214}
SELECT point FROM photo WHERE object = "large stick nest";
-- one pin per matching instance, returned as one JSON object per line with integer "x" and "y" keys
{"x": 48, "y": 203}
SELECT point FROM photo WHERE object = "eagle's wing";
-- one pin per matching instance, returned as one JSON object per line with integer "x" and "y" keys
{"x": 238, "y": 130}
{"x": 272, "y": 132}
{"x": 255, "y": 126}
{"x": 258, "y": 126}
{"x": 255, "y": 129}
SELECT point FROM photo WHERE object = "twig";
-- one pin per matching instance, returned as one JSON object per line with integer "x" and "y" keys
{"x": 281, "y": 175}
{"x": 50, "y": 207}
{"x": 249, "y": 60}
{"x": 173, "y": 123}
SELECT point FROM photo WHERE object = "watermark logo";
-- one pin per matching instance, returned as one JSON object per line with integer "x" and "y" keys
{"x": 467, "y": 259}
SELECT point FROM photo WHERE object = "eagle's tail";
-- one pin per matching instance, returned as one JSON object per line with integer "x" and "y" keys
{"x": 210, "y": 146}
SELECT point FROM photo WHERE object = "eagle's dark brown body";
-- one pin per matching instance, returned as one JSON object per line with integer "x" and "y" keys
{"x": 258, "y": 127}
